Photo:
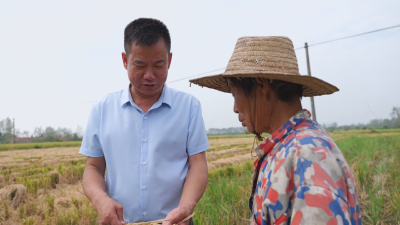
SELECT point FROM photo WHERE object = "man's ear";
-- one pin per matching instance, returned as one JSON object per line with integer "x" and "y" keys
{"x": 169, "y": 59}
{"x": 263, "y": 84}
{"x": 125, "y": 60}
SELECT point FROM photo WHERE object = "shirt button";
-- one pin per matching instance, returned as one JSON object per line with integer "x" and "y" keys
{"x": 144, "y": 140}
{"x": 143, "y": 187}
{"x": 145, "y": 213}
{"x": 143, "y": 163}
{"x": 145, "y": 118}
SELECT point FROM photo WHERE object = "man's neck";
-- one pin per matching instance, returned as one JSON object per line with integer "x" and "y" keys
{"x": 144, "y": 102}
{"x": 283, "y": 112}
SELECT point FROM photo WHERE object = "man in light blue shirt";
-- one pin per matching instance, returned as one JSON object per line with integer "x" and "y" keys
{"x": 151, "y": 139}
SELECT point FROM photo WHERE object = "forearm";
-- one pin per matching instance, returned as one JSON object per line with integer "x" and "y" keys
{"x": 195, "y": 184}
{"x": 93, "y": 184}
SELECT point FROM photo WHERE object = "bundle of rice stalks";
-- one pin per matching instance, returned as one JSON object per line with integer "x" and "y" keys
{"x": 156, "y": 222}
{"x": 2, "y": 181}
{"x": 13, "y": 177}
{"x": 14, "y": 194}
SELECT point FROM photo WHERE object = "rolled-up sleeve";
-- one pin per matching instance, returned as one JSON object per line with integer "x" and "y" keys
{"x": 91, "y": 146}
{"x": 197, "y": 140}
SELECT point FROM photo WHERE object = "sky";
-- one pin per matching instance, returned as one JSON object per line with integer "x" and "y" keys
{"x": 58, "y": 57}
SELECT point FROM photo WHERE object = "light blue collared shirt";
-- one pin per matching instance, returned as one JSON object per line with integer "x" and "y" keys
{"x": 146, "y": 153}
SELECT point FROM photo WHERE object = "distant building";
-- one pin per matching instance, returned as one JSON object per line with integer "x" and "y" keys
{"x": 23, "y": 139}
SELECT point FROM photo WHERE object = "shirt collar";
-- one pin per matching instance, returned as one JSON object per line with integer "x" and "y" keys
{"x": 267, "y": 145}
{"x": 164, "y": 98}
{"x": 167, "y": 95}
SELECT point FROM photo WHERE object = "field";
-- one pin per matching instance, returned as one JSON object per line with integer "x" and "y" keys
{"x": 50, "y": 177}
{"x": 7, "y": 147}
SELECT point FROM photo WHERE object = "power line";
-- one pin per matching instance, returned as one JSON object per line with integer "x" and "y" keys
{"x": 195, "y": 75}
{"x": 356, "y": 35}
{"x": 63, "y": 108}
{"x": 324, "y": 42}
{"x": 95, "y": 101}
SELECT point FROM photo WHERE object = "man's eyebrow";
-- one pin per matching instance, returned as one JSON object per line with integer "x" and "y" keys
{"x": 160, "y": 61}
{"x": 138, "y": 62}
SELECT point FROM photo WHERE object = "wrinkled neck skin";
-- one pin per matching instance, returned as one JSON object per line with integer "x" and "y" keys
{"x": 271, "y": 113}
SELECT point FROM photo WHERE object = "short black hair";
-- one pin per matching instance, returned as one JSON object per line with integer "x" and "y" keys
{"x": 285, "y": 91}
{"x": 145, "y": 32}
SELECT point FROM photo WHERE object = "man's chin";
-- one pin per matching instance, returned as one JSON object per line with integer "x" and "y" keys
{"x": 249, "y": 128}
{"x": 151, "y": 91}
{"x": 147, "y": 88}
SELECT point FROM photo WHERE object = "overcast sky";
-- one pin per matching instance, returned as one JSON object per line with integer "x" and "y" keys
{"x": 56, "y": 54}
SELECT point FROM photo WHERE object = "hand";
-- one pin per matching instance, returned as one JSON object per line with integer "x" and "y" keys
{"x": 109, "y": 211}
{"x": 177, "y": 215}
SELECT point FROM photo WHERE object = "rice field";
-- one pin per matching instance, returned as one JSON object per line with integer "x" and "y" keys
{"x": 42, "y": 185}
{"x": 38, "y": 145}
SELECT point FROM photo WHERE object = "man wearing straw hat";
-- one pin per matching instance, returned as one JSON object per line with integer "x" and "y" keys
{"x": 300, "y": 175}
{"x": 151, "y": 139}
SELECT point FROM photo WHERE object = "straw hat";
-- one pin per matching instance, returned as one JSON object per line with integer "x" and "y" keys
{"x": 266, "y": 57}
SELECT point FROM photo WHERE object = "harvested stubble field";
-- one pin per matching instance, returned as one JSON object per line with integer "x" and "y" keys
{"x": 50, "y": 179}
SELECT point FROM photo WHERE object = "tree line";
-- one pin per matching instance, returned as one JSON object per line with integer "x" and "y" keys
{"x": 40, "y": 134}
{"x": 390, "y": 123}
{"x": 49, "y": 134}
{"x": 230, "y": 130}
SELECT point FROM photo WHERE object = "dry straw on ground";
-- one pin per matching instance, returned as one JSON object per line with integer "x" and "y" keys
{"x": 2, "y": 181}
{"x": 156, "y": 222}
{"x": 53, "y": 193}
{"x": 234, "y": 160}
{"x": 13, "y": 194}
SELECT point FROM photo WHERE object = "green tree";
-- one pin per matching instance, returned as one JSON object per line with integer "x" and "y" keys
{"x": 395, "y": 114}
{"x": 50, "y": 134}
{"x": 38, "y": 132}
{"x": 6, "y": 130}
{"x": 64, "y": 132}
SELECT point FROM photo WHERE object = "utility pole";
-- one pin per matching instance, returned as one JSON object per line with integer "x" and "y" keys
{"x": 13, "y": 139}
{"x": 314, "y": 115}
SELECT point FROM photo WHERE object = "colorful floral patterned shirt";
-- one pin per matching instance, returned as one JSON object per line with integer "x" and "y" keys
{"x": 301, "y": 177}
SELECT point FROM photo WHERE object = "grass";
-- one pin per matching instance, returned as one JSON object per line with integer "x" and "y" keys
{"x": 54, "y": 195}
{"x": 210, "y": 137}
{"x": 365, "y": 131}
{"x": 39, "y": 145}
{"x": 375, "y": 164}
{"x": 226, "y": 198}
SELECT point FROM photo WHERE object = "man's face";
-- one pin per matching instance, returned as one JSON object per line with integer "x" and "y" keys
{"x": 257, "y": 109}
{"x": 147, "y": 68}
{"x": 242, "y": 107}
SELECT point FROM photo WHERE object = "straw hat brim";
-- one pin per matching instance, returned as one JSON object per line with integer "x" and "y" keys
{"x": 312, "y": 86}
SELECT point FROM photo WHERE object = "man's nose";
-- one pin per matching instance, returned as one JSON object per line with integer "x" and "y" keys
{"x": 234, "y": 108}
{"x": 149, "y": 75}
